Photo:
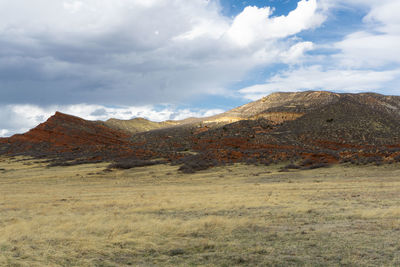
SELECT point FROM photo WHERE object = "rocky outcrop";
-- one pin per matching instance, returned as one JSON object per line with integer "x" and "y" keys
{"x": 64, "y": 133}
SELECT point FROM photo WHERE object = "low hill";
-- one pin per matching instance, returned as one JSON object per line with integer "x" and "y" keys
{"x": 69, "y": 137}
{"x": 138, "y": 125}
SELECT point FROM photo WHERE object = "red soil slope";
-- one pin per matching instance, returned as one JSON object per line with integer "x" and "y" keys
{"x": 63, "y": 133}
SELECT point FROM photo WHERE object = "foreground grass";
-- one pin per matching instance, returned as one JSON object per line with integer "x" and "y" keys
{"x": 237, "y": 215}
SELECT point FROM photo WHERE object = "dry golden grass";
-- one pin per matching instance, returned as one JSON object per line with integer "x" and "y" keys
{"x": 237, "y": 215}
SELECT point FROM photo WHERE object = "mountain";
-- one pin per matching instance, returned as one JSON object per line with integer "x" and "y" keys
{"x": 312, "y": 128}
{"x": 308, "y": 128}
{"x": 280, "y": 107}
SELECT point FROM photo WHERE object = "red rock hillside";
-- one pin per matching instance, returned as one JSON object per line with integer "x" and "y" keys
{"x": 64, "y": 133}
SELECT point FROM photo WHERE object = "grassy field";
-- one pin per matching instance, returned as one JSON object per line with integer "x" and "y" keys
{"x": 236, "y": 215}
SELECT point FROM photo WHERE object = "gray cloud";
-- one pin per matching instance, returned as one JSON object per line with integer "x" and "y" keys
{"x": 131, "y": 52}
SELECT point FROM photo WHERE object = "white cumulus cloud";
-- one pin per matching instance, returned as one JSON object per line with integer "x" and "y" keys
{"x": 256, "y": 24}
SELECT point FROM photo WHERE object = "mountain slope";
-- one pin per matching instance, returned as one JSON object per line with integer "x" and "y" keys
{"x": 280, "y": 107}
{"x": 358, "y": 119}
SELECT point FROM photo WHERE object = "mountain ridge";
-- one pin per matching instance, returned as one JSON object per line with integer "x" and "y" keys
{"x": 316, "y": 126}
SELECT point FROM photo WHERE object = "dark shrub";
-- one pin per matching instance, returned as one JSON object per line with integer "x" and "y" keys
{"x": 66, "y": 163}
{"x": 306, "y": 162}
{"x": 61, "y": 164}
{"x": 192, "y": 167}
{"x": 176, "y": 252}
{"x": 292, "y": 166}
{"x": 132, "y": 163}
{"x": 194, "y": 163}
{"x": 315, "y": 166}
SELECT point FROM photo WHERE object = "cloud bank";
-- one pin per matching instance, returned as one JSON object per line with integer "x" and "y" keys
{"x": 134, "y": 52}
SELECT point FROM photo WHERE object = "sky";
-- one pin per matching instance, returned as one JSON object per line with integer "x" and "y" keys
{"x": 172, "y": 59}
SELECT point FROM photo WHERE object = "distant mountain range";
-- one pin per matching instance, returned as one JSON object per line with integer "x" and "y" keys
{"x": 310, "y": 129}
